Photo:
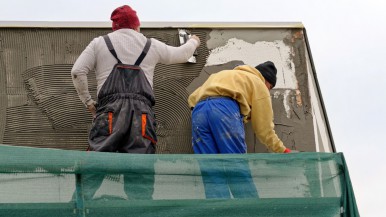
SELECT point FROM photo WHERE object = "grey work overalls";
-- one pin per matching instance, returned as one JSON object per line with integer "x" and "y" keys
{"x": 125, "y": 121}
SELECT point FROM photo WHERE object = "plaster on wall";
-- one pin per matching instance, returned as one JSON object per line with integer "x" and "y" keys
{"x": 219, "y": 37}
{"x": 253, "y": 54}
{"x": 286, "y": 100}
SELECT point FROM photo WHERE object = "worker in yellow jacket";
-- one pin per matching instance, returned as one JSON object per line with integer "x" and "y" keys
{"x": 226, "y": 100}
{"x": 220, "y": 106}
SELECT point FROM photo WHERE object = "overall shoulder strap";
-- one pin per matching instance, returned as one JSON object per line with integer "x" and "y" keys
{"x": 111, "y": 48}
{"x": 144, "y": 52}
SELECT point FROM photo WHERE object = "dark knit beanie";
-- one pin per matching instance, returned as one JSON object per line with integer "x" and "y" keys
{"x": 124, "y": 17}
{"x": 268, "y": 71}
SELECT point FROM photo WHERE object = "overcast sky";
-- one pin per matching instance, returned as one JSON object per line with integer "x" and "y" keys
{"x": 348, "y": 44}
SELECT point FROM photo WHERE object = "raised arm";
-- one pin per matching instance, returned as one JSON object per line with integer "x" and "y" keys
{"x": 262, "y": 123}
{"x": 170, "y": 55}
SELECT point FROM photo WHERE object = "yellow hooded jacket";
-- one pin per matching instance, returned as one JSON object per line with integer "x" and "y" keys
{"x": 246, "y": 85}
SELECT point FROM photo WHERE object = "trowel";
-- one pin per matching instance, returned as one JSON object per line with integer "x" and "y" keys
{"x": 184, "y": 36}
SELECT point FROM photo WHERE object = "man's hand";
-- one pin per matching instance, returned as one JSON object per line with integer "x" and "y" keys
{"x": 195, "y": 37}
{"x": 287, "y": 150}
{"x": 91, "y": 107}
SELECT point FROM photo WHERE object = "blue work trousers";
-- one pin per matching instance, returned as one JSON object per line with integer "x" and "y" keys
{"x": 217, "y": 128}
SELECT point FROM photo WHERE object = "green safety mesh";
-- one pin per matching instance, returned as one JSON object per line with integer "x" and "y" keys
{"x": 50, "y": 182}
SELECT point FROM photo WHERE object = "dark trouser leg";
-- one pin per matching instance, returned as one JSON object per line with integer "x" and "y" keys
{"x": 240, "y": 180}
{"x": 212, "y": 171}
{"x": 140, "y": 139}
{"x": 217, "y": 127}
{"x": 90, "y": 184}
{"x": 130, "y": 130}
{"x": 139, "y": 186}
{"x": 214, "y": 178}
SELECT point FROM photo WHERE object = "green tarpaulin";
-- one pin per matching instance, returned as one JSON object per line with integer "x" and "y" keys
{"x": 50, "y": 182}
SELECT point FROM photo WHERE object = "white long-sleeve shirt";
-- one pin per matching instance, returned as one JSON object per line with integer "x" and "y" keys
{"x": 128, "y": 45}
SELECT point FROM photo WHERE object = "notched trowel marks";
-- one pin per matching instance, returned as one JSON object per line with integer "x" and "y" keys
{"x": 53, "y": 115}
{"x": 170, "y": 83}
{"x": 50, "y": 87}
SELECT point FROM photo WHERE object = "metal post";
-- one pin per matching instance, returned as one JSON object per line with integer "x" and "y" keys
{"x": 79, "y": 202}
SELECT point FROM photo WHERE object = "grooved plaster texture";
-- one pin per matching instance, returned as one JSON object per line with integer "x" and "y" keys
{"x": 39, "y": 106}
